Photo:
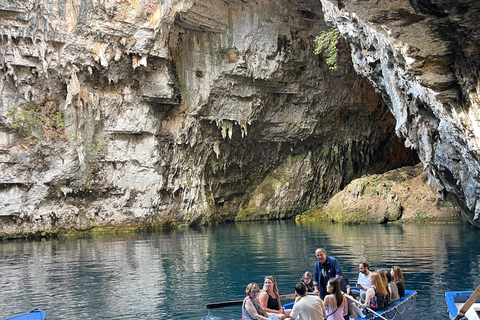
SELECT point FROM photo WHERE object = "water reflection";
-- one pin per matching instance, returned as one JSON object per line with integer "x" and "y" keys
{"x": 172, "y": 275}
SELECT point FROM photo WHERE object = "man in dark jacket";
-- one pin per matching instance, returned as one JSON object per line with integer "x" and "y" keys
{"x": 325, "y": 268}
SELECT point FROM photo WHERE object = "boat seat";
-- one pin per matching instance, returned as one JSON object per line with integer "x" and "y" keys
{"x": 473, "y": 312}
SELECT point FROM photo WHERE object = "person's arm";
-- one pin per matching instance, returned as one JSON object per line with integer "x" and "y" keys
{"x": 263, "y": 301}
{"x": 345, "y": 304}
{"x": 281, "y": 308}
{"x": 252, "y": 311}
{"x": 368, "y": 296}
{"x": 338, "y": 269}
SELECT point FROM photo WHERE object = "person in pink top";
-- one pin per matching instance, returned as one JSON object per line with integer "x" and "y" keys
{"x": 251, "y": 310}
{"x": 335, "y": 302}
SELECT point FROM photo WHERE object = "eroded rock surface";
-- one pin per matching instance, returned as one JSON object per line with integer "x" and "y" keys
{"x": 396, "y": 196}
{"x": 177, "y": 112}
{"x": 180, "y": 112}
{"x": 423, "y": 57}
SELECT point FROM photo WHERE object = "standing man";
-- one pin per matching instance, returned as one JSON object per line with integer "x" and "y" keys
{"x": 307, "y": 307}
{"x": 363, "y": 282}
{"x": 325, "y": 268}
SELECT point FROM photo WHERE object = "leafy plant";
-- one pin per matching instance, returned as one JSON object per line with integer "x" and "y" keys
{"x": 28, "y": 123}
{"x": 326, "y": 43}
{"x": 58, "y": 120}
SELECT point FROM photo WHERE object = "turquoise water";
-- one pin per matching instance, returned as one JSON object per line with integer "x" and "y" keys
{"x": 172, "y": 275}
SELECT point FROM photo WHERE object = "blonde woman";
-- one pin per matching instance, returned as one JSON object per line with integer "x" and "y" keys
{"x": 269, "y": 299}
{"x": 251, "y": 310}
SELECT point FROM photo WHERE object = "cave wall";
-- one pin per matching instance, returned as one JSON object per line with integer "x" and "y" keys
{"x": 134, "y": 113}
{"x": 423, "y": 58}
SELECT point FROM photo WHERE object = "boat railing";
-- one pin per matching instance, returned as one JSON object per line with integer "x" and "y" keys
{"x": 399, "y": 307}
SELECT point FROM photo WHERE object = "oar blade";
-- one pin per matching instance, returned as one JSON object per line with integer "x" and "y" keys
{"x": 224, "y": 304}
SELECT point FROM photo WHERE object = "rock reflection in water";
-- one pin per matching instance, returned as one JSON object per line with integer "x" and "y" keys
{"x": 172, "y": 275}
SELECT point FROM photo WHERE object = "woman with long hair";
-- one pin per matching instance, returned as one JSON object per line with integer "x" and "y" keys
{"x": 383, "y": 275}
{"x": 398, "y": 279}
{"x": 269, "y": 299}
{"x": 392, "y": 286}
{"x": 307, "y": 280}
{"x": 335, "y": 302}
{"x": 375, "y": 296}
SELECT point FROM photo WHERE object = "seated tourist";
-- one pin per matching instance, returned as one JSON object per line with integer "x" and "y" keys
{"x": 375, "y": 296}
{"x": 394, "y": 296}
{"x": 307, "y": 280}
{"x": 335, "y": 302}
{"x": 251, "y": 310}
{"x": 363, "y": 282}
{"x": 383, "y": 275}
{"x": 398, "y": 279}
{"x": 269, "y": 299}
{"x": 307, "y": 307}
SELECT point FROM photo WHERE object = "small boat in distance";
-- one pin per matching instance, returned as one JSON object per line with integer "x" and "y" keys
{"x": 455, "y": 301}
{"x": 35, "y": 314}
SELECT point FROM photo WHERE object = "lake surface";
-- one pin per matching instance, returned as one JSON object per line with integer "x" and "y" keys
{"x": 173, "y": 274}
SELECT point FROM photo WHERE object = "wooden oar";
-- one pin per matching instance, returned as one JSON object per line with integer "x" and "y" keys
{"x": 468, "y": 304}
{"x": 364, "y": 306}
{"x": 239, "y": 302}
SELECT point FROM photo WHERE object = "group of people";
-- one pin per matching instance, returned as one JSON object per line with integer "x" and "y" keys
{"x": 321, "y": 295}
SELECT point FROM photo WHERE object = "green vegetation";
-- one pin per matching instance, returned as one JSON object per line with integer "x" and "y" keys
{"x": 335, "y": 214}
{"x": 58, "y": 120}
{"x": 311, "y": 215}
{"x": 341, "y": 216}
{"x": 34, "y": 123}
{"x": 326, "y": 43}
{"x": 27, "y": 123}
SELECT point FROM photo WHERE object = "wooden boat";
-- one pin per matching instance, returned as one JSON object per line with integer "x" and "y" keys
{"x": 403, "y": 309}
{"x": 35, "y": 314}
{"x": 455, "y": 301}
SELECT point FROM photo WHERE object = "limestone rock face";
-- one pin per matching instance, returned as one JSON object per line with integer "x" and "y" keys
{"x": 422, "y": 56}
{"x": 177, "y": 112}
{"x": 187, "y": 112}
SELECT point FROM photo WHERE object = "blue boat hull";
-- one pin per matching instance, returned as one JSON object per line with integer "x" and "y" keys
{"x": 36, "y": 314}
{"x": 403, "y": 309}
{"x": 452, "y": 297}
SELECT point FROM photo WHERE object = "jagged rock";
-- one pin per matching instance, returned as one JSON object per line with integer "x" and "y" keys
{"x": 182, "y": 112}
{"x": 422, "y": 57}
{"x": 399, "y": 195}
